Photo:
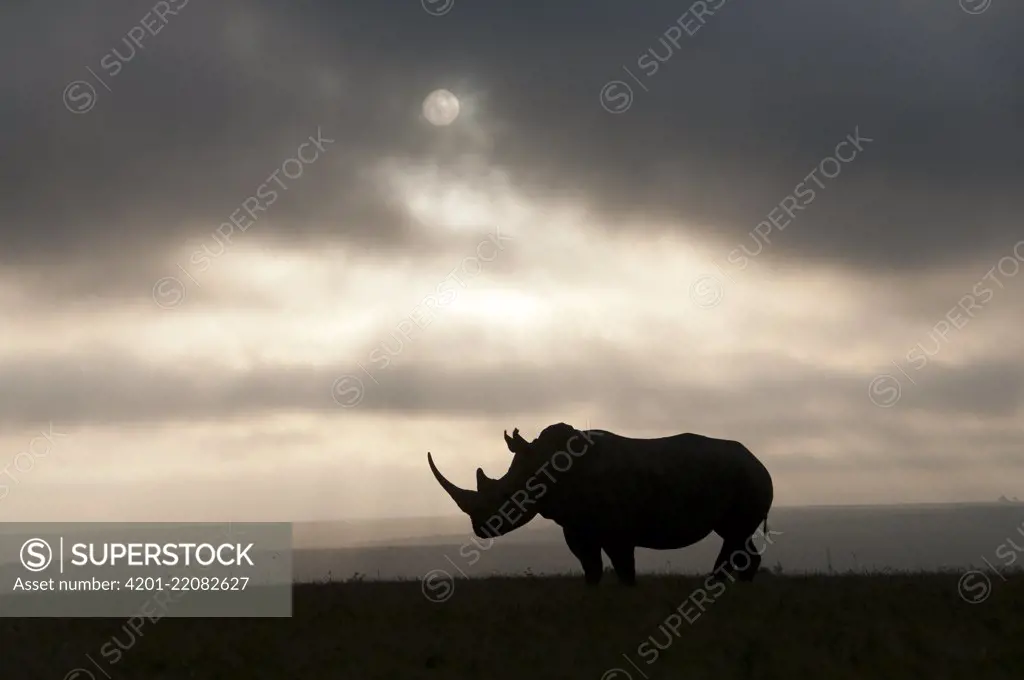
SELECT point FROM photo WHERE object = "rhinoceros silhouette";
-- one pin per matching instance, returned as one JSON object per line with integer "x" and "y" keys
{"x": 616, "y": 494}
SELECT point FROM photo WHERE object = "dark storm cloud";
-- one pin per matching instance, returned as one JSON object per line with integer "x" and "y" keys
{"x": 729, "y": 125}
{"x": 783, "y": 406}
{"x": 192, "y": 127}
{"x": 743, "y": 111}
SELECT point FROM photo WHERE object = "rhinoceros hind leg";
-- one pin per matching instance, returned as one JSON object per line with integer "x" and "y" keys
{"x": 724, "y": 563}
{"x": 737, "y": 528}
{"x": 751, "y": 570}
{"x": 740, "y": 557}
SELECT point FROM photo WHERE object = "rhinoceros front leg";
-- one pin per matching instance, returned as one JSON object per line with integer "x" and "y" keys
{"x": 588, "y": 552}
{"x": 624, "y": 562}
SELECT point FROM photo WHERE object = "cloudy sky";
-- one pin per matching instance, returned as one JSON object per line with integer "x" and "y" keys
{"x": 795, "y": 224}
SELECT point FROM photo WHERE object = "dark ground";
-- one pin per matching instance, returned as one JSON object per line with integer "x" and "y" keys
{"x": 906, "y": 626}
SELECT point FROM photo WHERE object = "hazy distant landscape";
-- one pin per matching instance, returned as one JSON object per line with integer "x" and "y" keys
{"x": 805, "y": 540}
{"x": 905, "y": 538}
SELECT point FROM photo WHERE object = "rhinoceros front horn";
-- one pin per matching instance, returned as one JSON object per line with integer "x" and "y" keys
{"x": 464, "y": 498}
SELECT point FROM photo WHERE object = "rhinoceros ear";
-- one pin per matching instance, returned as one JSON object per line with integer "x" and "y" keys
{"x": 516, "y": 443}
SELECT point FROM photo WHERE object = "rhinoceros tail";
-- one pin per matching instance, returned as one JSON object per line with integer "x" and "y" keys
{"x": 764, "y": 527}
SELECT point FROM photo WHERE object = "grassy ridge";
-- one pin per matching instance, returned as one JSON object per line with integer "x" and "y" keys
{"x": 905, "y": 626}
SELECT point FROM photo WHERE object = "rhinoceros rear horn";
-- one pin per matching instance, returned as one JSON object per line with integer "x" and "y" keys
{"x": 466, "y": 500}
{"x": 482, "y": 480}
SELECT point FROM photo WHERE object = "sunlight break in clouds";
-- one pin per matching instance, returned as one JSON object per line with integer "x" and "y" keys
{"x": 575, "y": 283}
{"x": 441, "y": 108}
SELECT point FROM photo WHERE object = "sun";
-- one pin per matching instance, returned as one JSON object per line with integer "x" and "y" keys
{"x": 441, "y": 107}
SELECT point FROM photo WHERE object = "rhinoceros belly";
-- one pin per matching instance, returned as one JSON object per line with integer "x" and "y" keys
{"x": 663, "y": 513}
{"x": 667, "y": 533}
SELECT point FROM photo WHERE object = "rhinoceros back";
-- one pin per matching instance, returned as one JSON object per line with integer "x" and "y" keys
{"x": 666, "y": 492}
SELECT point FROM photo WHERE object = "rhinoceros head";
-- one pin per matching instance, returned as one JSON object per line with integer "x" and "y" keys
{"x": 490, "y": 507}
{"x": 501, "y": 505}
